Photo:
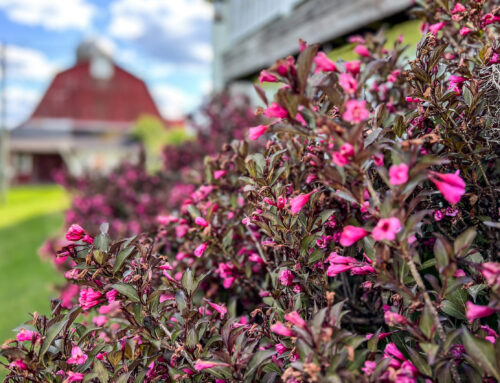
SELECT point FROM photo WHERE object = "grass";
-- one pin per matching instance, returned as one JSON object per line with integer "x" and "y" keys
{"x": 27, "y": 282}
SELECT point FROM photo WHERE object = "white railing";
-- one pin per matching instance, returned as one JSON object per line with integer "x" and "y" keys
{"x": 248, "y": 15}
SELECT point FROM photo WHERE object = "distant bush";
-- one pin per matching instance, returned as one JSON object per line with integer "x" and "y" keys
{"x": 358, "y": 244}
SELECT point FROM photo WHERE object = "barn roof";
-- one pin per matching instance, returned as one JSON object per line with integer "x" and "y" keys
{"x": 77, "y": 95}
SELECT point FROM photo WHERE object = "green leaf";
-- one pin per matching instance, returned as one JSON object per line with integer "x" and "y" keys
{"x": 467, "y": 96}
{"x": 101, "y": 371}
{"x": 441, "y": 254}
{"x": 426, "y": 322}
{"x": 452, "y": 309}
{"x": 419, "y": 362}
{"x": 482, "y": 352}
{"x": 464, "y": 241}
{"x": 259, "y": 358}
{"x": 102, "y": 242}
{"x": 52, "y": 333}
{"x": 128, "y": 290}
{"x": 193, "y": 211}
{"x": 121, "y": 257}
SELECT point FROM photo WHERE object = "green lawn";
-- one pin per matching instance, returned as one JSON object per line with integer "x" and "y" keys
{"x": 27, "y": 282}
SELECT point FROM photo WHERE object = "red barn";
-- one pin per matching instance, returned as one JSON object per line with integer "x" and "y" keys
{"x": 84, "y": 120}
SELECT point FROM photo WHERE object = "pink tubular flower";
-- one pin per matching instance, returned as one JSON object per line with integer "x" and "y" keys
{"x": 280, "y": 349}
{"x": 276, "y": 111}
{"x": 112, "y": 294}
{"x": 266, "y": 76}
{"x": 451, "y": 185}
{"x": 75, "y": 233}
{"x": 491, "y": 273}
{"x": 297, "y": 203}
{"x": 219, "y": 174}
{"x": 201, "y": 221}
{"x": 348, "y": 83}
{"x": 18, "y": 364}
{"x": 335, "y": 269}
{"x": 353, "y": 67}
{"x": 369, "y": 367}
{"x": 257, "y": 131}
{"x": 324, "y": 64}
{"x": 74, "y": 377}
{"x": 378, "y": 159}
{"x": 347, "y": 150}
{"x": 435, "y": 28}
{"x": 89, "y": 298}
{"x": 352, "y": 234}
{"x": 198, "y": 252}
{"x": 386, "y": 229}
{"x": 393, "y": 319}
{"x": 286, "y": 277}
{"x": 464, "y": 31}
{"x": 362, "y": 51}
{"x": 398, "y": 174}
{"x": 280, "y": 329}
{"x": 392, "y": 350}
{"x": 27, "y": 335}
{"x": 204, "y": 364}
{"x": 438, "y": 215}
{"x": 459, "y": 8}
{"x": 221, "y": 309}
{"x": 77, "y": 356}
{"x": 355, "y": 111}
{"x": 339, "y": 160}
{"x": 473, "y": 311}
{"x": 295, "y": 319}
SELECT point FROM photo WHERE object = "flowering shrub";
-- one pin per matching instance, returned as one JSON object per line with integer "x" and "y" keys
{"x": 358, "y": 244}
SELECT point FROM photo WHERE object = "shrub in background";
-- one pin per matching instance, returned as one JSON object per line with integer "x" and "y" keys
{"x": 356, "y": 245}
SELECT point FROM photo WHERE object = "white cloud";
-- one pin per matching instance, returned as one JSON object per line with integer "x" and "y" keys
{"x": 20, "y": 104}
{"x": 28, "y": 64}
{"x": 172, "y": 101}
{"x": 202, "y": 51}
{"x": 177, "y": 18}
{"x": 50, "y": 14}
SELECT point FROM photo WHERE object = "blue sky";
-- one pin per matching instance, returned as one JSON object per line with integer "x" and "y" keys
{"x": 165, "y": 42}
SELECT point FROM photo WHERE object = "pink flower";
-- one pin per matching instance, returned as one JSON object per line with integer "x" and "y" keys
{"x": 435, "y": 28}
{"x": 356, "y": 39}
{"x": 27, "y": 335}
{"x": 491, "y": 273}
{"x": 336, "y": 269}
{"x": 413, "y": 99}
{"x": 369, "y": 367}
{"x": 398, "y": 174}
{"x": 323, "y": 63}
{"x": 89, "y": 298}
{"x": 458, "y": 8}
{"x": 464, "y": 31}
{"x": 111, "y": 295}
{"x": 438, "y": 215}
{"x": 310, "y": 178}
{"x": 74, "y": 377}
{"x": 219, "y": 174}
{"x": 201, "y": 221}
{"x": 257, "y": 131}
{"x": 347, "y": 150}
{"x": 204, "y": 364}
{"x": 451, "y": 185}
{"x": 392, "y": 350}
{"x": 77, "y": 356}
{"x": 266, "y": 76}
{"x": 280, "y": 349}
{"x": 352, "y": 234}
{"x": 280, "y": 329}
{"x": 473, "y": 311}
{"x": 355, "y": 111}
{"x": 286, "y": 277}
{"x": 276, "y": 111}
{"x": 220, "y": 308}
{"x": 362, "y": 51}
{"x": 100, "y": 320}
{"x": 393, "y": 319}
{"x": 353, "y": 67}
{"x": 459, "y": 273}
{"x": 378, "y": 159}
{"x": 348, "y": 83}
{"x": 386, "y": 229}
{"x": 88, "y": 239}
{"x": 297, "y": 203}
{"x": 339, "y": 160}
{"x": 18, "y": 364}
{"x": 75, "y": 233}
{"x": 295, "y": 319}
{"x": 198, "y": 252}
